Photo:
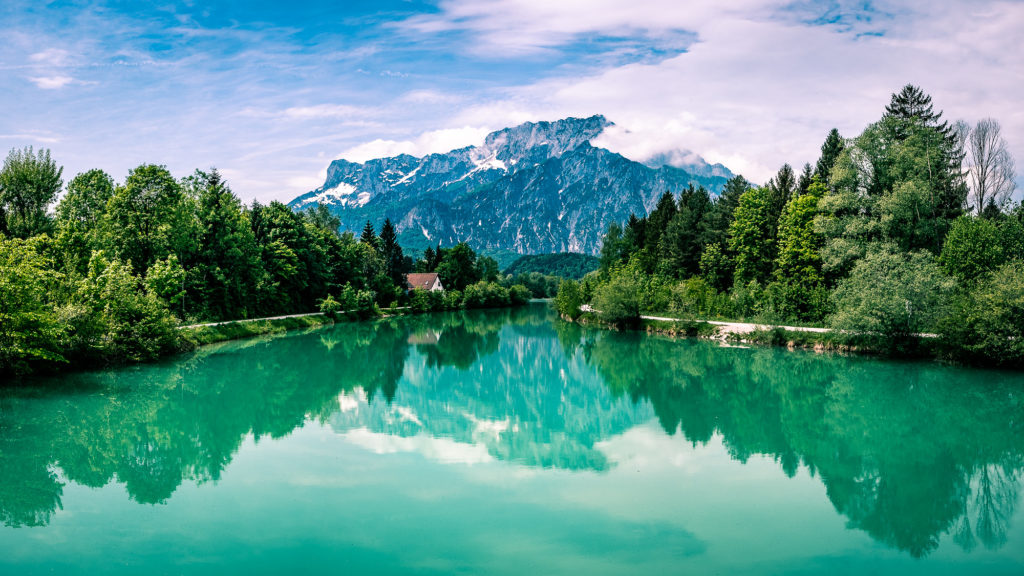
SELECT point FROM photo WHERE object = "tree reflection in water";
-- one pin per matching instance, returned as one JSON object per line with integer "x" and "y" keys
{"x": 907, "y": 452}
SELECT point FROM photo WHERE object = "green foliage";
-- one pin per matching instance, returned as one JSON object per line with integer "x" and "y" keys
{"x": 148, "y": 219}
{"x": 972, "y": 249}
{"x": 426, "y": 301}
{"x": 696, "y": 298}
{"x": 715, "y": 267}
{"x": 987, "y": 323}
{"x": 30, "y": 333}
{"x": 111, "y": 319}
{"x": 519, "y": 295}
{"x": 893, "y": 296}
{"x": 330, "y": 306}
{"x": 563, "y": 265}
{"x": 487, "y": 268}
{"x": 752, "y": 236}
{"x": 485, "y": 295}
{"x": 540, "y": 286}
{"x": 166, "y": 280}
{"x": 798, "y": 266}
{"x": 685, "y": 234}
{"x": 618, "y": 300}
{"x": 29, "y": 182}
{"x": 226, "y": 269}
{"x": 830, "y": 151}
{"x": 457, "y": 268}
{"x": 569, "y": 299}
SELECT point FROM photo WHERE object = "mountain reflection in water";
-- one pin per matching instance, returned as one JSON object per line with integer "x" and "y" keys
{"x": 907, "y": 452}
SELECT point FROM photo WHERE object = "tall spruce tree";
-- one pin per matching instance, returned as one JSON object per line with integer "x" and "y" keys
{"x": 830, "y": 151}
{"x": 392, "y": 253}
{"x": 804, "y": 183}
{"x": 369, "y": 236}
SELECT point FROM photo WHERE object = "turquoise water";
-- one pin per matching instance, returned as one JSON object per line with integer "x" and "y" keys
{"x": 505, "y": 442}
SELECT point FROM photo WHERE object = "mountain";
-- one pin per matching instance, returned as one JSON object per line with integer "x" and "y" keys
{"x": 535, "y": 188}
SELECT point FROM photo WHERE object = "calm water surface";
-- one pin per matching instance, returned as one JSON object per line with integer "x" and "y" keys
{"x": 507, "y": 443}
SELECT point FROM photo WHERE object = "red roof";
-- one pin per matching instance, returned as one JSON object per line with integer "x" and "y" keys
{"x": 424, "y": 281}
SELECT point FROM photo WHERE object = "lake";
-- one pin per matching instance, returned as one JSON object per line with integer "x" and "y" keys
{"x": 507, "y": 442}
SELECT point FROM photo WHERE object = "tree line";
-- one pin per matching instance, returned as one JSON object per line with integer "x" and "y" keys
{"x": 110, "y": 272}
{"x": 908, "y": 228}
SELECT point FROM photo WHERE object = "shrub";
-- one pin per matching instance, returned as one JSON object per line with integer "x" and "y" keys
{"x": 618, "y": 301}
{"x": 519, "y": 295}
{"x": 892, "y": 296}
{"x": 568, "y": 299}
{"x": 987, "y": 324}
{"x": 485, "y": 295}
{"x": 330, "y": 306}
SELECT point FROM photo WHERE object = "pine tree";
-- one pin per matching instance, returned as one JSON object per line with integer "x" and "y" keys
{"x": 429, "y": 262}
{"x": 369, "y": 236}
{"x": 805, "y": 180}
{"x": 392, "y": 253}
{"x": 830, "y": 151}
{"x": 781, "y": 189}
{"x": 913, "y": 105}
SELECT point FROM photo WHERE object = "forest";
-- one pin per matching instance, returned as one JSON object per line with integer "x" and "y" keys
{"x": 109, "y": 274}
{"x": 904, "y": 237}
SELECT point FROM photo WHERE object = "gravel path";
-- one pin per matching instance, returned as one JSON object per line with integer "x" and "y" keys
{"x": 250, "y": 320}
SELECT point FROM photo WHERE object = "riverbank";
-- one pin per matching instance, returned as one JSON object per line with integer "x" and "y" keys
{"x": 792, "y": 337}
{"x": 202, "y": 334}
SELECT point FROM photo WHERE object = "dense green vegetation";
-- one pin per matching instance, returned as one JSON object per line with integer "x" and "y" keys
{"x": 108, "y": 276}
{"x": 893, "y": 233}
{"x": 563, "y": 265}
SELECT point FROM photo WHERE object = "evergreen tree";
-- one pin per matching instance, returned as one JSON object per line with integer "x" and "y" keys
{"x": 804, "y": 183}
{"x": 657, "y": 222}
{"x": 720, "y": 218}
{"x": 611, "y": 247}
{"x": 369, "y": 236}
{"x": 781, "y": 188}
{"x": 911, "y": 104}
{"x": 681, "y": 244}
{"x": 392, "y": 253}
{"x": 227, "y": 266}
{"x": 830, "y": 151}
{"x": 427, "y": 264}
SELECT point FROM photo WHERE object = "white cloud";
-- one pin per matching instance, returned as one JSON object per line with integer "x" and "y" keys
{"x": 757, "y": 90}
{"x": 51, "y": 57}
{"x": 51, "y": 82}
{"x": 326, "y": 111}
{"x": 435, "y": 141}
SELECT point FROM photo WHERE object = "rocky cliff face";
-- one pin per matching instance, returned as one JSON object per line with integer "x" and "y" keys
{"x": 535, "y": 188}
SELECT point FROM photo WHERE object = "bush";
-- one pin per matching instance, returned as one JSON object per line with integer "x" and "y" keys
{"x": 485, "y": 295}
{"x": 618, "y": 300}
{"x": 421, "y": 300}
{"x": 519, "y": 295}
{"x": 987, "y": 324}
{"x": 696, "y": 298}
{"x": 112, "y": 320}
{"x": 29, "y": 330}
{"x": 330, "y": 306}
{"x": 568, "y": 299}
{"x": 893, "y": 297}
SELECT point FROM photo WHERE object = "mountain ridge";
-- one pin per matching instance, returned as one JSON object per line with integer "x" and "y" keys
{"x": 538, "y": 187}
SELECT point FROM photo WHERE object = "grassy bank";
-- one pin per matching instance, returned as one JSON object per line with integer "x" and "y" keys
{"x": 209, "y": 334}
{"x": 811, "y": 339}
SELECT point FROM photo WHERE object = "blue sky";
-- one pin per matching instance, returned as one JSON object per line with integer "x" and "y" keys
{"x": 270, "y": 92}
